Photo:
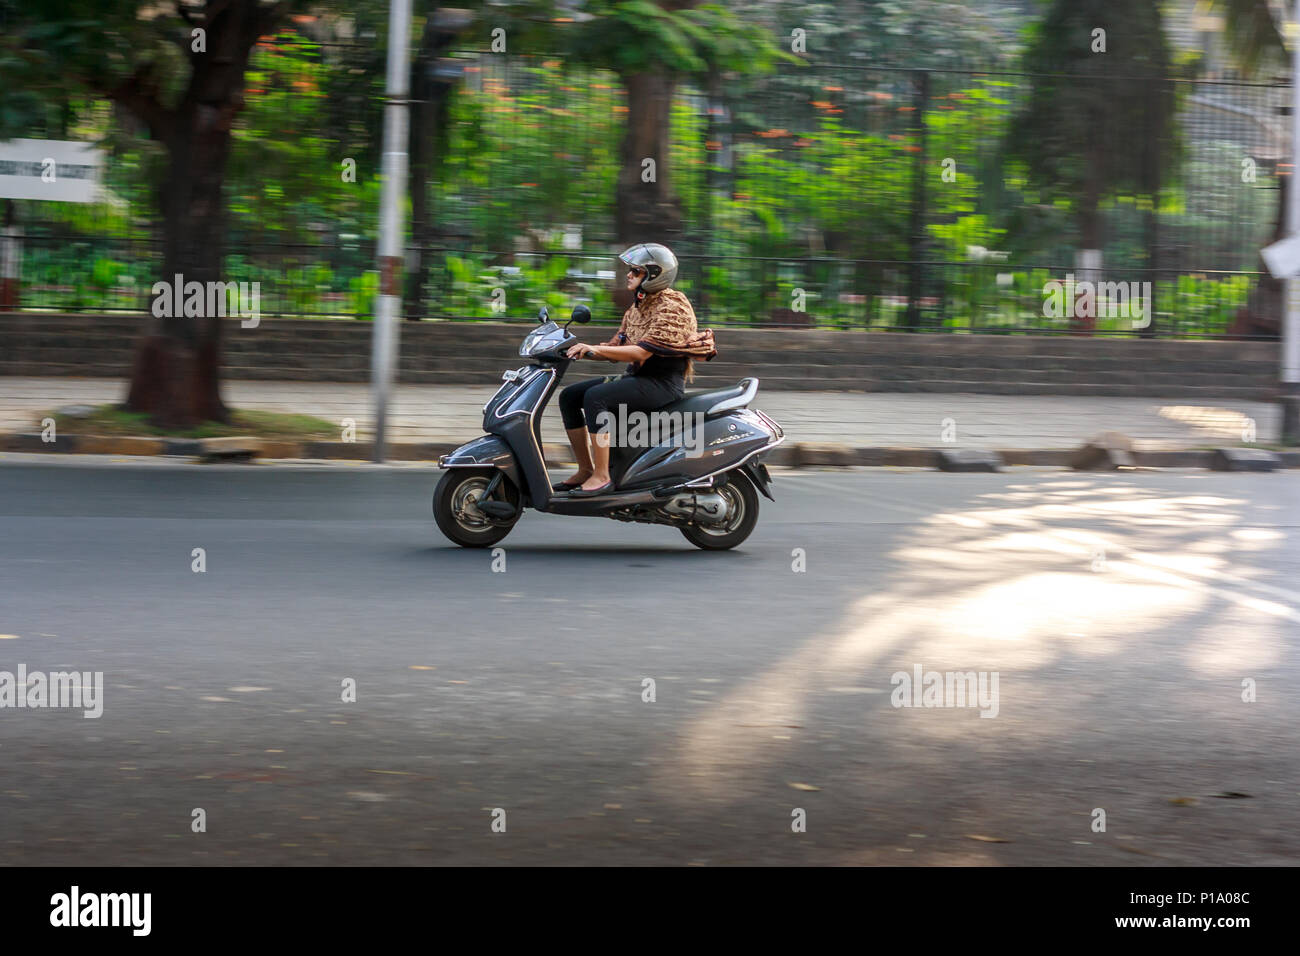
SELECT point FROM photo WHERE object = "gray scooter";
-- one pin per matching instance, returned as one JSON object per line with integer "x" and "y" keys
{"x": 707, "y": 485}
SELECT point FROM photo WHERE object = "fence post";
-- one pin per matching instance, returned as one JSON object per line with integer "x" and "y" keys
{"x": 916, "y": 242}
{"x": 11, "y": 261}
{"x": 1151, "y": 221}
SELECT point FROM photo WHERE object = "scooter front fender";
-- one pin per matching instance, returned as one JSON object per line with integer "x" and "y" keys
{"x": 490, "y": 451}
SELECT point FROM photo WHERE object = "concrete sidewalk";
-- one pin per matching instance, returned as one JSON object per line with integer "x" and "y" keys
{"x": 451, "y": 413}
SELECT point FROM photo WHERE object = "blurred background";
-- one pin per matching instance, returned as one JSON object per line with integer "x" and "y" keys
{"x": 870, "y": 165}
{"x": 871, "y": 200}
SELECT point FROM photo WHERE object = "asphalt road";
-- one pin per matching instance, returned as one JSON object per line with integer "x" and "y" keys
{"x": 1120, "y": 612}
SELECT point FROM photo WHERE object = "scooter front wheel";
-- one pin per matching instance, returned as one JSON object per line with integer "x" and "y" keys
{"x": 742, "y": 516}
{"x": 455, "y": 510}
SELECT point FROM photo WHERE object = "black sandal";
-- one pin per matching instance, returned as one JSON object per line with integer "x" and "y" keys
{"x": 604, "y": 489}
{"x": 566, "y": 486}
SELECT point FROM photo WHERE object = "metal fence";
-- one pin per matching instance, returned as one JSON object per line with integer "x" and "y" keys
{"x": 872, "y": 197}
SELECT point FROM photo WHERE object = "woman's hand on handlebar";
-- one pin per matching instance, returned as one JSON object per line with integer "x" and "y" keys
{"x": 580, "y": 350}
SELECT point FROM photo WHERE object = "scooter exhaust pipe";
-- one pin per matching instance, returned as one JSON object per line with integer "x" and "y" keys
{"x": 709, "y": 508}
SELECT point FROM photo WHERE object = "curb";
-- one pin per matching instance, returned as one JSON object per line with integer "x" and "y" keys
{"x": 794, "y": 455}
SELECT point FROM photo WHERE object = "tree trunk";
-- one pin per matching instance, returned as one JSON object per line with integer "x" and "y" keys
{"x": 176, "y": 377}
{"x": 647, "y": 210}
{"x": 177, "y": 366}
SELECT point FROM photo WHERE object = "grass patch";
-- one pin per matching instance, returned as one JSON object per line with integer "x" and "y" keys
{"x": 114, "y": 420}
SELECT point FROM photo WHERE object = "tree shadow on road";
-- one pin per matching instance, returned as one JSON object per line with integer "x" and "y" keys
{"x": 1122, "y": 619}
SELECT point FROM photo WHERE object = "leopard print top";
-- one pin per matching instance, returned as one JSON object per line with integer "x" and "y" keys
{"x": 664, "y": 323}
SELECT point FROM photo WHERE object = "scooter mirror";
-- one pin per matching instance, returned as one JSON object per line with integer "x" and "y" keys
{"x": 543, "y": 315}
{"x": 581, "y": 315}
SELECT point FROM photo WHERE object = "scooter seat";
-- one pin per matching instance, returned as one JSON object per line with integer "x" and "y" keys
{"x": 738, "y": 396}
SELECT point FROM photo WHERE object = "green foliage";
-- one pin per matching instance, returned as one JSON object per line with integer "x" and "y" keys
{"x": 510, "y": 166}
{"x": 638, "y": 36}
{"x": 816, "y": 192}
{"x": 534, "y": 281}
{"x": 362, "y": 290}
{"x": 285, "y": 176}
{"x": 105, "y": 273}
{"x": 1096, "y": 132}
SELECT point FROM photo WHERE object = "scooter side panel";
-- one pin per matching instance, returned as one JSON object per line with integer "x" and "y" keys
{"x": 513, "y": 415}
{"x": 685, "y": 456}
{"x": 518, "y": 433}
{"x": 511, "y": 395}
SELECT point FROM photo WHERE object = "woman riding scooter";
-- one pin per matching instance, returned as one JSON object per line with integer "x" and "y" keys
{"x": 659, "y": 338}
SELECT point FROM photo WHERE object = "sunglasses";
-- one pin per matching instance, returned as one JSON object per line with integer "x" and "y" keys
{"x": 634, "y": 271}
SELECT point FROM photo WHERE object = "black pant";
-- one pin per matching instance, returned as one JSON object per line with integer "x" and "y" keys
{"x": 584, "y": 401}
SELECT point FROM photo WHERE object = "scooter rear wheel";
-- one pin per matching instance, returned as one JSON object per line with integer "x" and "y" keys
{"x": 742, "y": 516}
{"x": 454, "y": 511}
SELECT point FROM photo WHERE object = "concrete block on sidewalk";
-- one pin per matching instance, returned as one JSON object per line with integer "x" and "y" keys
{"x": 183, "y": 446}
{"x": 1243, "y": 459}
{"x": 1185, "y": 458}
{"x": 967, "y": 459}
{"x": 337, "y": 449}
{"x": 807, "y": 454}
{"x": 118, "y": 445}
{"x": 1106, "y": 452}
{"x": 282, "y": 449}
{"x": 1058, "y": 457}
{"x": 235, "y": 448}
{"x": 900, "y": 457}
{"x": 781, "y": 455}
{"x": 20, "y": 441}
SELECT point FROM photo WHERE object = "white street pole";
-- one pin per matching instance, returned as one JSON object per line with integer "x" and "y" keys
{"x": 1291, "y": 312}
{"x": 392, "y": 219}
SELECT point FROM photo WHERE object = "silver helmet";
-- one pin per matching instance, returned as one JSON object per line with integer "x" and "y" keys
{"x": 659, "y": 263}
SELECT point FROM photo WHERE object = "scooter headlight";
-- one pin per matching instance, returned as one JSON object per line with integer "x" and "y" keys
{"x": 529, "y": 342}
{"x": 540, "y": 339}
